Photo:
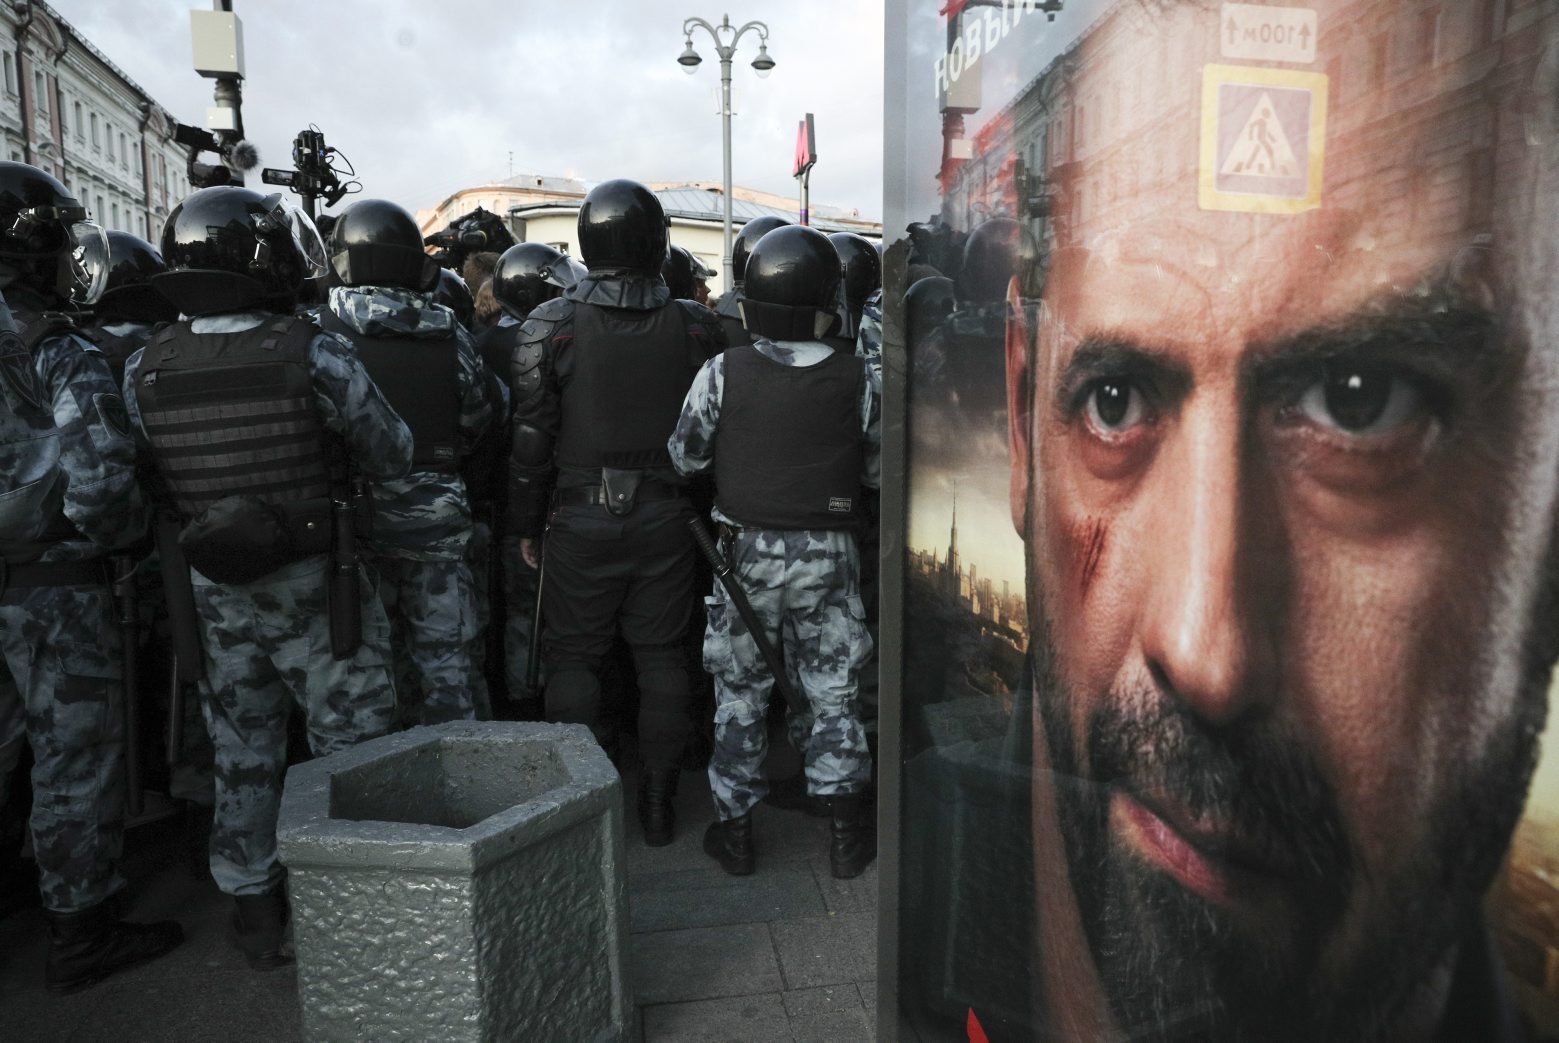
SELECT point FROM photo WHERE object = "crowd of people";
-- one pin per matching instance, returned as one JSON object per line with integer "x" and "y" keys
{"x": 344, "y": 480}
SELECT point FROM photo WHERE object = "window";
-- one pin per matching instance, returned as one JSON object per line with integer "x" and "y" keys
{"x": 80, "y": 131}
{"x": 1429, "y": 36}
{"x": 114, "y": 220}
{"x": 97, "y": 142}
{"x": 99, "y": 209}
{"x": 10, "y": 74}
{"x": 124, "y": 152}
{"x": 108, "y": 132}
{"x": 40, "y": 92}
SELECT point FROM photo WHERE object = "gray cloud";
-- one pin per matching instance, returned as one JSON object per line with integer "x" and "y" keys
{"x": 428, "y": 98}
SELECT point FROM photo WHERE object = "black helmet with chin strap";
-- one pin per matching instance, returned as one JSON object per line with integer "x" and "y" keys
{"x": 230, "y": 249}
{"x": 529, "y": 274}
{"x": 792, "y": 290}
{"x": 47, "y": 240}
{"x": 377, "y": 243}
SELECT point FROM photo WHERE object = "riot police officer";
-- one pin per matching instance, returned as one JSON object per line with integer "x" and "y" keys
{"x": 71, "y": 499}
{"x": 862, "y": 281}
{"x": 123, "y": 317}
{"x": 728, "y": 304}
{"x": 527, "y": 275}
{"x": 429, "y": 371}
{"x": 599, "y": 375}
{"x": 685, "y": 275}
{"x": 285, "y": 614}
{"x": 791, "y": 430}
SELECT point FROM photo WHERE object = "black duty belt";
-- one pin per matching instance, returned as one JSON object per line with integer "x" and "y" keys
{"x": 593, "y": 495}
{"x": 93, "y": 572}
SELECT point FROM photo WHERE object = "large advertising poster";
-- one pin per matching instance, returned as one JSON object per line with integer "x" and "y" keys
{"x": 1227, "y": 341}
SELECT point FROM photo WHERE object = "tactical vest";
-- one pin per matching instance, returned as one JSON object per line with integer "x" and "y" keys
{"x": 232, "y": 414}
{"x": 788, "y": 444}
{"x": 631, "y": 372}
{"x": 420, "y": 378}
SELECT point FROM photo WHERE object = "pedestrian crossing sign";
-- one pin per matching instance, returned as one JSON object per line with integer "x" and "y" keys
{"x": 1263, "y": 139}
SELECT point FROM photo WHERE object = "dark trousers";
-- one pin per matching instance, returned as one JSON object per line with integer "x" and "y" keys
{"x": 633, "y": 574}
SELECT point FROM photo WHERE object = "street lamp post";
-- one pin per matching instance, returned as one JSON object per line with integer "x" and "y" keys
{"x": 725, "y": 38}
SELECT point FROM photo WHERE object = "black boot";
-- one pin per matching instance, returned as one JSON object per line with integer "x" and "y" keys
{"x": 259, "y": 923}
{"x": 656, "y": 815}
{"x": 730, "y": 844}
{"x": 87, "y": 946}
{"x": 853, "y": 839}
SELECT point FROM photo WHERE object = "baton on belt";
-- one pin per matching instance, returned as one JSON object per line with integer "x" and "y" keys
{"x": 533, "y": 654}
{"x": 129, "y": 635}
{"x": 727, "y": 578}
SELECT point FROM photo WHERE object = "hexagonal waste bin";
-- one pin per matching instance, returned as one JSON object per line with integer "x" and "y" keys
{"x": 462, "y": 882}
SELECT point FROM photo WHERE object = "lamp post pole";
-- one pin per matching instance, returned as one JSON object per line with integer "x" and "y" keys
{"x": 725, "y": 38}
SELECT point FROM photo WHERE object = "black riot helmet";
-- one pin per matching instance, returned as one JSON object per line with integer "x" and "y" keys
{"x": 230, "y": 249}
{"x": 747, "y": 238}
{"x": 622, "y": 225}
{"x": 47, "y": 241}
{"x": 453, "y": 293}
{"x": 682, "y": 272}
{"x": 995, "y": 252}
{"x": 128, "y": 296}
{"x": 792, "y": 288}
{"x": 862, "y": 269}
{"x": 530, "y": 273}
{"x": 376, "y": 243}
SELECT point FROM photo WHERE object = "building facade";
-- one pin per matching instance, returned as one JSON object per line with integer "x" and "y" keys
{"x": 67, "y": 108}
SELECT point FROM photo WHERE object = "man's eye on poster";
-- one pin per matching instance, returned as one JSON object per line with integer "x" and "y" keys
{"x": 1226, "y": 338}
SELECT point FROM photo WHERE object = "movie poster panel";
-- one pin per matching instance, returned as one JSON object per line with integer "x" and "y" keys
{"x": 1227, "y": 342}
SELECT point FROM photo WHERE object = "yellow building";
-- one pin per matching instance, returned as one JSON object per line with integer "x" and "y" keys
{"x": 546, "y": 210}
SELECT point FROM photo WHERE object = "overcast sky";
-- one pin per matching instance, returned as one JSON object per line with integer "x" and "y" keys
{"x": 428, "y": 97}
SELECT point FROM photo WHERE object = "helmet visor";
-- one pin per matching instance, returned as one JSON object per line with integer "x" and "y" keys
{"x": 563, "y": 273}
{"x": 88, "y": 261}
{"x": 285, "y": 216}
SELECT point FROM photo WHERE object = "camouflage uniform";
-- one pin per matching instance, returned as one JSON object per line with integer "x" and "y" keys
{"x": 804, "y": 585}
{"x": 422, "y": 522}
{"x": 61, "y": 674}
{"x": 267, "y": 643}
{"x": 868, "y": 339}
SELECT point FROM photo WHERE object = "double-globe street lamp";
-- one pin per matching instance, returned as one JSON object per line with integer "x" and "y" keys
{"x": 726, "y": 38}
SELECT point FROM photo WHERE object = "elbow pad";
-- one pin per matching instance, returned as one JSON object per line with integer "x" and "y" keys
{"x": 531, "y": 446}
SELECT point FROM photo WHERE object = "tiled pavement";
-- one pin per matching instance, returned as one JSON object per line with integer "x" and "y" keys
{"x": 785, "y": 954}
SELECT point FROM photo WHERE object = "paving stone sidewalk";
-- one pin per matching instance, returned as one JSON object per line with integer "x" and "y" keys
{"x": 785, "y": 954}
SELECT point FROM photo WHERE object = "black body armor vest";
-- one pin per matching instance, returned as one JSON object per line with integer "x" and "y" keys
{"x": 631, "y": 372}
{"x": 232, "y": 414}
{"x": 420, "y": 378}
{"x": 788, "y": 443}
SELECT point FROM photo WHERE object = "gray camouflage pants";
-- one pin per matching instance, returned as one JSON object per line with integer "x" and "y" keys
{"x": 60, "y": 676}
{"x": 268, "y": 645}
{"x": 432, "y": 610}
{"x": 805, "y": 587}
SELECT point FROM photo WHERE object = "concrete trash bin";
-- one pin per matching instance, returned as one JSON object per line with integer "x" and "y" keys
{"x": 461, "y": 882}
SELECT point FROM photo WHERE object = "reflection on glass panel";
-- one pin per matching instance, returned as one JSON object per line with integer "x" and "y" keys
{"x": 1228, "y": 334}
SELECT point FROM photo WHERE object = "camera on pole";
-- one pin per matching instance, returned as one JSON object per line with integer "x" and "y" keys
{"x": 314, "y": 174}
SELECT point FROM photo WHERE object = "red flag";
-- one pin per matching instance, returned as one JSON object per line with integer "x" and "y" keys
{"x": 976, "y": 1030}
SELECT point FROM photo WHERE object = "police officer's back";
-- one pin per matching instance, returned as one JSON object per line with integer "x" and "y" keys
{"x": 69, "y": 499}
{"x": 527, "y": 276}
{"x": 599, "y": 378}
{"x": 249, "y": 414}
{"x": 790, "y": 427}
{"x": 428, "y": 368}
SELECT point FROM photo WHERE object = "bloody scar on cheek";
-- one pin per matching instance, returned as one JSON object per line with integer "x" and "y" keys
{"x": 1088, "y": 538}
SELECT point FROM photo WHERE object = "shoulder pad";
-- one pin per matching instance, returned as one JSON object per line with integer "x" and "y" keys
{"x": 543, "y": 323}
